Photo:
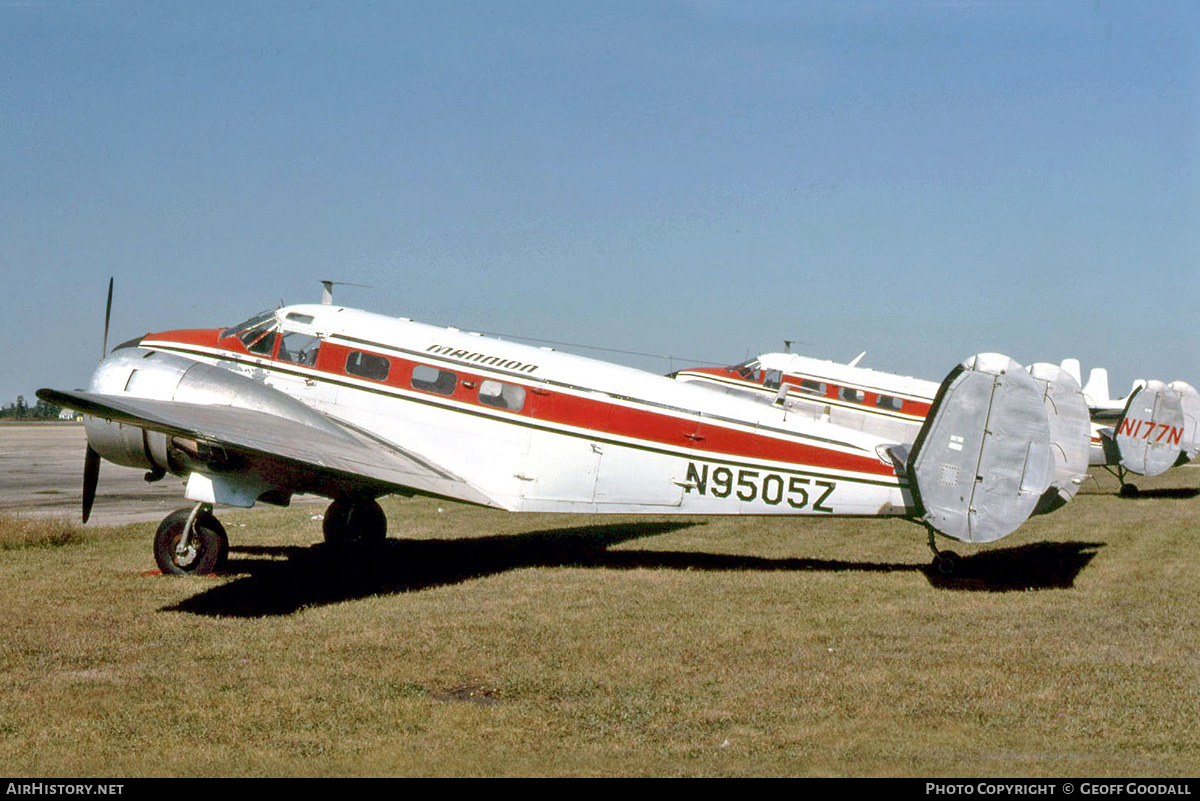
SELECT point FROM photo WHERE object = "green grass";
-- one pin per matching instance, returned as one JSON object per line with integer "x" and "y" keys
{"x": 37, "y": 532}
{"x": 481, "y": 643}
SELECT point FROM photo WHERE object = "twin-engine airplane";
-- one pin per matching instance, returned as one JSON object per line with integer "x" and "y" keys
{"x": 352, "y": 406}
{"x": 1150, "y": 430}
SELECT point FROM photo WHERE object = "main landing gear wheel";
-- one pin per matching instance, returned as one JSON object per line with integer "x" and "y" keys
{"x": 203, "y": 551}
{"x": 354, "y": 521}
{"x": 1128, "y": 491}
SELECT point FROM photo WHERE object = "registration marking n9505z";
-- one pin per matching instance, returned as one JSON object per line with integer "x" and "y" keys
{"x": 751, "y": 485}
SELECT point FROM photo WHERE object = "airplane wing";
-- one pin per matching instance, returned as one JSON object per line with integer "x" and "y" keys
{"x": 334, "y": 455}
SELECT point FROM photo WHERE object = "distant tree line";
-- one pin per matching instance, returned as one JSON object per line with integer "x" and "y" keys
{"x": 23, "y": 411}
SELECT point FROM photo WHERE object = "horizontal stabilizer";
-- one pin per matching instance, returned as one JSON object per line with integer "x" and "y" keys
{"x": 1149, "y": 437}
{"x": 983, "y": 458}
{"x": 1070, "y": 433}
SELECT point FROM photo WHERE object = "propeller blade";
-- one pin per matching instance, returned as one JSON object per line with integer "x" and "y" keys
{"x": 91, "y": 475}
{"x": 107, "y": 316}
{"x": 91, "y": 459}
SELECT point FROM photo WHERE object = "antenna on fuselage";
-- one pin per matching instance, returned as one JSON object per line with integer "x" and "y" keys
{"x": 787, "y": 344}
{"x": 327, "y": 290}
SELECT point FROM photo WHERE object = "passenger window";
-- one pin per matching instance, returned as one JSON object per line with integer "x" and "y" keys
{"x": 888, "y": 402}
{"x": 773, "y": 379}
{"x": 502, "y": 396}
{"x": 852, "y": 395}
{"x": 431, "y": 379}
{"x": 368, "y": 365}
{"x": 299, "y": 348}
{"x": 812, "y": 387}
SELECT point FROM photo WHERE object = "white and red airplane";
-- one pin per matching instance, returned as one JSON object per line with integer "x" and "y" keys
{"x": 1151, "y": 429}
{"x": 1174, "y": 406}
{"x": 352, "y": 406}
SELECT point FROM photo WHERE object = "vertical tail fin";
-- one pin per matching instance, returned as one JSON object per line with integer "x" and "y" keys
{"x": 1095, "y": 391}
{"x": 1071, "y": 366}
{"x": 1070, "y": 433}
{"x": 1190, "y": 401}
{"x": 983, "y": 458}
{"x": 1149, "y": 435}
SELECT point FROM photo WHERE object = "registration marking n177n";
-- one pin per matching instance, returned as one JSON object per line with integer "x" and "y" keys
{"x": 1134, "y": 429}
{"x": 746, "y": 485}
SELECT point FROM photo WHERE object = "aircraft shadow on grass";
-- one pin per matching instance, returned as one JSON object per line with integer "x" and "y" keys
{"x": 1173, "y": 493}
{"x": 313, "y": 576}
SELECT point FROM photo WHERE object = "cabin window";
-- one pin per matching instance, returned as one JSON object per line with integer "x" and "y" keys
{"x": 773, "y": 379}
{"x": 888, "y": 402}
{"x": 299, "y": 348}
{"x": 813, "y": 387}
{"x": 502, "y": 396}
{"x": 303, "y": 319}
{"x": 368, "y": 365}
{"x": 431, "y": 379}
{"x": 852, "y": 395}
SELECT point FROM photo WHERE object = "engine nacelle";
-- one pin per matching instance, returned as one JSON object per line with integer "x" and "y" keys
{"x": 128, "y": 445}
{"x": 155, "y": 375}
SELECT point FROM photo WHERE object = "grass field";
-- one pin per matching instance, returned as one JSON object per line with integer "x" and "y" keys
{"x": 481, "y": 643}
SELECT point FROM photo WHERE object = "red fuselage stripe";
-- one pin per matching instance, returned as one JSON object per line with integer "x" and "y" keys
{"x": 567, "y": 409}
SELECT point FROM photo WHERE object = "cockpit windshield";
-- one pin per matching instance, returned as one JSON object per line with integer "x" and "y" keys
{"x": 747, "y": 369}
{"x": 253, "y": 322}
{"x": 258, "y": 333}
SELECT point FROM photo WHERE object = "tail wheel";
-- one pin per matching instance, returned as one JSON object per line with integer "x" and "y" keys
{"x": 355, "y": 521}
{"x": 946, "y": 562}
{"x": 206, "y": 551}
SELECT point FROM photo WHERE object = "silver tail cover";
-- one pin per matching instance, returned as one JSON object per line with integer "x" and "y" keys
{"x": 1149, "y": 437}
{"x": 1189, "y": 399}
{"x": 984, "y": 457}
{"x": 1070, "y": 433}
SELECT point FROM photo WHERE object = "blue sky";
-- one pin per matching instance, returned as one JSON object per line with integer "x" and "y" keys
{"x": 922, "y": 180}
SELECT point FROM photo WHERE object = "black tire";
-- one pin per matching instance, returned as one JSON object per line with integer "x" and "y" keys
{"x": 1128, "y": 491}
{"x": 209, "y": 545}
{"x": 354, "y": 521}
{"x": 946, "y": 562}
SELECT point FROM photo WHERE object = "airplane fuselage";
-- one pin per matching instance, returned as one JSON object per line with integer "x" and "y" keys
{"x": 1142, "y": 440}
{"x": 869, "y": 400}
{"x": 535, "y": 429}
